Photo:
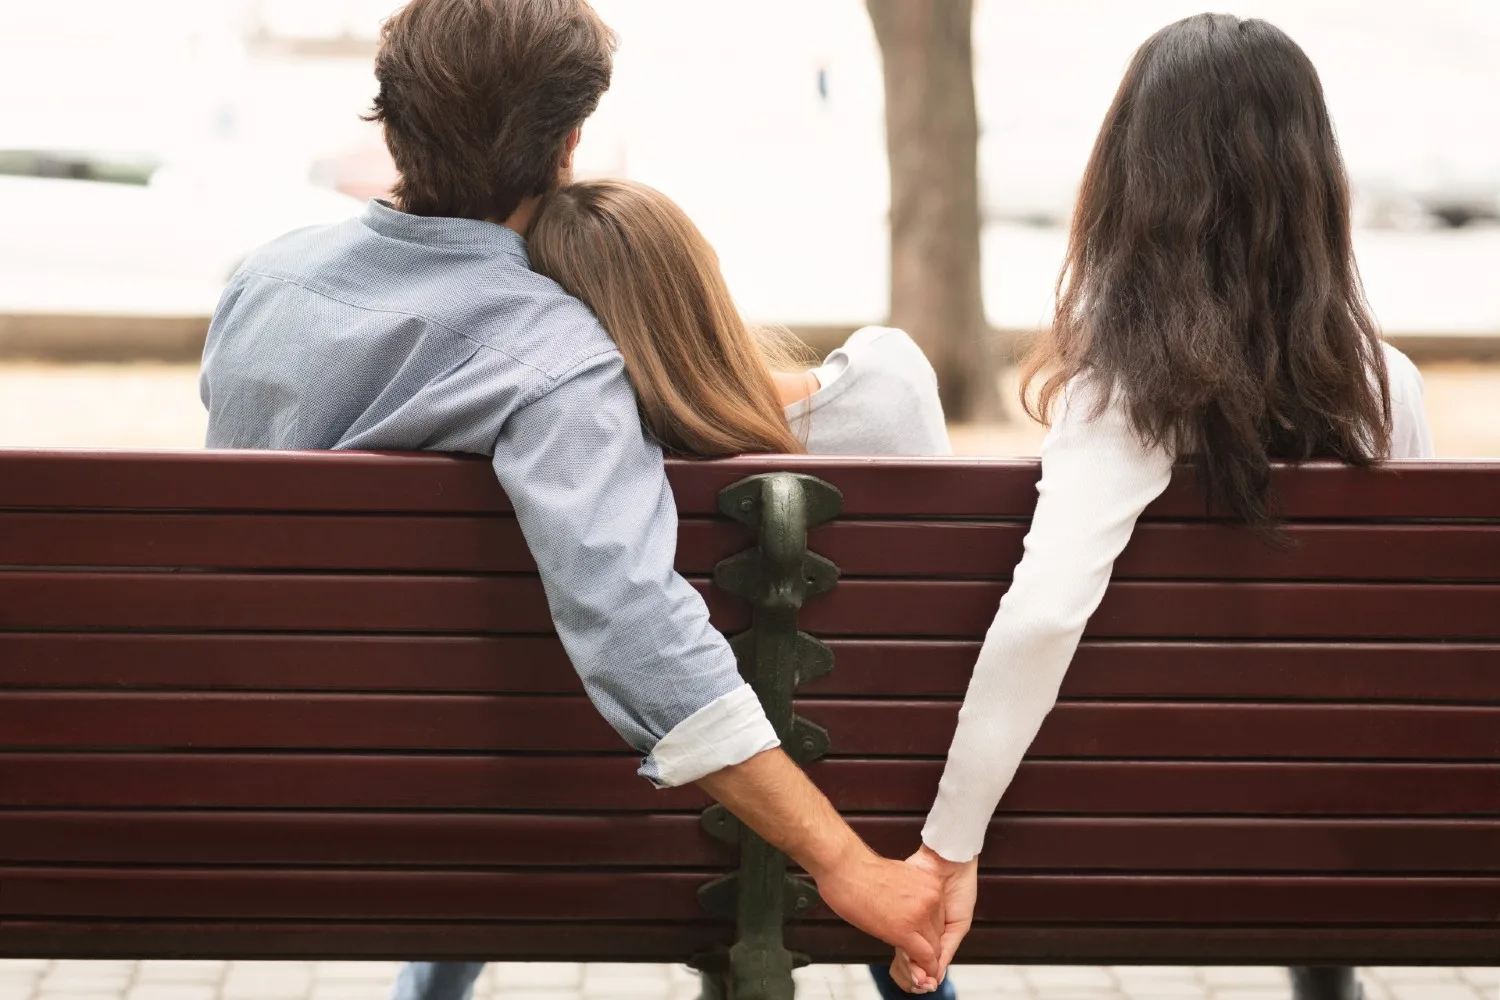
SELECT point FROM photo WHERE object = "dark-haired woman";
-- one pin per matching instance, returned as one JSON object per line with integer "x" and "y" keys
{"x": 1209, "y": 311}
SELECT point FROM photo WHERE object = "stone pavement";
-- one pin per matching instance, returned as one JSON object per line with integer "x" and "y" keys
{"x": 28, "y": 979}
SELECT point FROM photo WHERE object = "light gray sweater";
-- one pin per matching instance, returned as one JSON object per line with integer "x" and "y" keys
{"x": 878, "y": 396}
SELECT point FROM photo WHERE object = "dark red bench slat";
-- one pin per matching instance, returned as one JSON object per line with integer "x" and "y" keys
{"x": 431, "y": 483}
{"x": 1171, "y": 610}
{"x": 370, "y": 723}
{"x": 597, "y": 941}
{"x": 1116, "y": 730}
{"x": 306, "y": 602}
{"x": 676, "y": 840}
{"x": 332, "y": 541}
{"x": 987, "y": 487}
{"x": 668, "y": 942}
{"x": 1190, "y": 670}
{"x": 531, "y": 783}
{"x": 250, "y": 480}
{"x": 470, "y": 544}
{"x": 537, "y": 665}
{"x": 542, "y": 896}
{"x": 350, "y": 895}
{"x": 532, "y": 664}
{"x": 1208, "y": 900}
{"x": 1158, "y": 551}
{"x": 380, "y": 603}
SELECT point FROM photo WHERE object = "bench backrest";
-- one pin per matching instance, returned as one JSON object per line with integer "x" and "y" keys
{"x": 310, "y": 704}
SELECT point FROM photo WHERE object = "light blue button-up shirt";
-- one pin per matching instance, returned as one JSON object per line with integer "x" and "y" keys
{"x": 394, "y": 331}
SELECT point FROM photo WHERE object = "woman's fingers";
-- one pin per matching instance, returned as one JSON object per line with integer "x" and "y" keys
{"x": 909, "y": 977}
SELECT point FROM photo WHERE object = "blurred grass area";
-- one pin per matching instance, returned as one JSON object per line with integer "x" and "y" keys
{"x": 154, "y": 405}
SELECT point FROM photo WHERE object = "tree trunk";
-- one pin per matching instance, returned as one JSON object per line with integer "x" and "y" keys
{"x": 932, "y": 137}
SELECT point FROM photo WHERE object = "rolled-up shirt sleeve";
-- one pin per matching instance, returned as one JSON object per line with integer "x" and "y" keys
{"x": 591, "y": 497}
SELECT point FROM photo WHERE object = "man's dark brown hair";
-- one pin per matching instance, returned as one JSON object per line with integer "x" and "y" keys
{"x": 478, "y": 98}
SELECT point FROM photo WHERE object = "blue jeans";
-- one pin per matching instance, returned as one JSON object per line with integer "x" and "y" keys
{"x": 455, "y": 981}
{"x": 437, "y": 980}
{"x": 890, "y": 991}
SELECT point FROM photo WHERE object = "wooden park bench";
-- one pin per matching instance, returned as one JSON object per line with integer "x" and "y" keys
{"x": 285, "y": 705}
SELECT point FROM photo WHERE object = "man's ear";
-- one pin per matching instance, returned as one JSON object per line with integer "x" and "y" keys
{"x": 569, "y": 146}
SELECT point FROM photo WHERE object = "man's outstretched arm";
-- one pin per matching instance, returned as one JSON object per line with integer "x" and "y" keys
{"x": 894, "y": 901}
{"x": 591, "y": 496}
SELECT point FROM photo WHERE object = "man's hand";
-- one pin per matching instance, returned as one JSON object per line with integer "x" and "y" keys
{"x": 897, "y": 902}
{"x": 960, "y": 888}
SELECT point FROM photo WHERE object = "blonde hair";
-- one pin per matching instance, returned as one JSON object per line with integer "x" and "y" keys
{"x": 635, "y": 258}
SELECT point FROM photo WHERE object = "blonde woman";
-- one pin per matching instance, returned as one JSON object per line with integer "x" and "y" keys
{"x": 708, "y": 385}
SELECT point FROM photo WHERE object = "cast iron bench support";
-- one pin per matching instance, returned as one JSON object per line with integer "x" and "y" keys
{"x": 776, "y": 577}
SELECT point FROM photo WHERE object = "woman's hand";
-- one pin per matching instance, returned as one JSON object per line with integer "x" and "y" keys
{"x": 960, "y": 888}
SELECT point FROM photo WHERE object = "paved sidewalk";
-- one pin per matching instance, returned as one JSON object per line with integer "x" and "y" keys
{"x": 27, "y": 979}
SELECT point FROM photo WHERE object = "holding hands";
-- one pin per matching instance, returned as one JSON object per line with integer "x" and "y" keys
{"x": 922, "y": 906}
{"x": 896, "y": 901}
{"x": 959, "y": 882}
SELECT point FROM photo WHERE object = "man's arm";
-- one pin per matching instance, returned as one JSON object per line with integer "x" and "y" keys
{"x": 891, "y": 900}
{"x": 591, "y": 497}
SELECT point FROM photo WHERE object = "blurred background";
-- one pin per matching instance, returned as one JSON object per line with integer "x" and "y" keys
{"x": 147, "y": 147}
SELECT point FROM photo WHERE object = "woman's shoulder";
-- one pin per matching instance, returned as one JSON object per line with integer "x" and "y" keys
{"x": 886, "y": 345}
{"x": 1085, "y": 400}
{"x": 888, "y": 355}
{"x": 1405, "y": 377}
{"x": 1411, "y": 433}
{"x": 878, "y": 395}
{"x": 879, "y": 353}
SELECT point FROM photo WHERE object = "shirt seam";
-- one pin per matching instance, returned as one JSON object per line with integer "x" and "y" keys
{"x": 553, "y": 381}
{"x": 388, "y": 312}
{"x": 516, "y": 255}
{"x": 520, "y": 254}
{"x": 437, "y": 323}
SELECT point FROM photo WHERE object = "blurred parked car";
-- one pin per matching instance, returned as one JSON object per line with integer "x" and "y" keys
{"x": 95, "y": 231}
{"x": 364, "y": 171}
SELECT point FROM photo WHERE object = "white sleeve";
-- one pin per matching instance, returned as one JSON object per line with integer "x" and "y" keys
{"x": 1097, "y": 477}
{"x": 1411, "y": 434}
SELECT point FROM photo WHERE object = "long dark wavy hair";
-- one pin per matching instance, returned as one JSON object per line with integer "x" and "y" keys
{"x": 1210, "y": 284}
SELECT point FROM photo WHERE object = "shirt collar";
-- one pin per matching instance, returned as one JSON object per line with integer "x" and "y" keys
{"x": 457, "y": 234}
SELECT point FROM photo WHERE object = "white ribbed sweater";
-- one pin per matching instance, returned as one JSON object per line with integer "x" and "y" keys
{"x": 1097, "y": 477}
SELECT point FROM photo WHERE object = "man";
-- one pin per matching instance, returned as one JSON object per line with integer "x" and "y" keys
{"x": 420, "y": 325}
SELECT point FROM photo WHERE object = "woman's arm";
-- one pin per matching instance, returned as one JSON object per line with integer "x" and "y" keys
{"x": 1097, "y": 477}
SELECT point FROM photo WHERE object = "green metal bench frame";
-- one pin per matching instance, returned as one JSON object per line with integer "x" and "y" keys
{"x": 776, "y": 577}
